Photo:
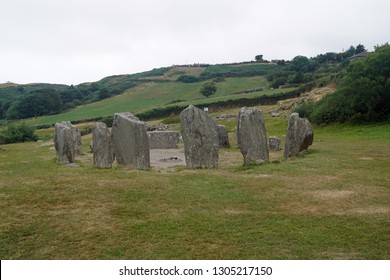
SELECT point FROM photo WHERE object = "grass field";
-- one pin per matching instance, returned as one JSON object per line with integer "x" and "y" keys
{"x": 154, "y": 95}
{"x": 331, "y": 202}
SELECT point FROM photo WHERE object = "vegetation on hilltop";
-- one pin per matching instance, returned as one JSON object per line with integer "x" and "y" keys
{"x": 301, "y": 73}
{"x": 363, "y": 95}
{"x": 32, "y": 100}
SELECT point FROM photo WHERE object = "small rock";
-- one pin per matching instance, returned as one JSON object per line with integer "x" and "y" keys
{"x": 223, "y": 137}
{"x": 275, "y": 143}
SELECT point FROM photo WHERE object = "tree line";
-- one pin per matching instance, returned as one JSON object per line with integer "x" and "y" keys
{"x": 26, "y": 101}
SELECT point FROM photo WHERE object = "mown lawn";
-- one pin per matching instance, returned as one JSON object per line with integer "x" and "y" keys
{"x": 331, "y": 202}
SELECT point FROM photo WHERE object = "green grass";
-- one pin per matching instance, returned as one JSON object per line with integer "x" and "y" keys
{"x": 154, "y": 95}
{"x": 331, "y": 202}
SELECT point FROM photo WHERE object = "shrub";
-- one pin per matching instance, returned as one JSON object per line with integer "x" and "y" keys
{"x": 187, "y": 79}
{"x": 208, "y": 89}
{"x": 363, "y": 94}
{"x": 305, "y": 110}
{"x": 18, "y": 133}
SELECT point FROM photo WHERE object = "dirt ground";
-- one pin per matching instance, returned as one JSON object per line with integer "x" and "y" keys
{"x": 163, "y": 158}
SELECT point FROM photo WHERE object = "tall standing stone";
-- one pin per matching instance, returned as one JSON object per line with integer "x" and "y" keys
{"x": 67, "y": 142}
{"x": 130, "y": 141}
{"x": 223, "y": 137}
{"x": 299, "y": 135}
{"x": 200, "y": 137}
{"x": 77, "y": 140}
{"x": 102, "y": 146}
{"x": 252, "y": 136}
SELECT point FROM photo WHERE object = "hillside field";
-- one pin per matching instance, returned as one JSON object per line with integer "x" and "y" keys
{"x": 331, "y": 202}
{"x": 157, "y": 95}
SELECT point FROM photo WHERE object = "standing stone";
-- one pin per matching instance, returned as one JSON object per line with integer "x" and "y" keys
{"x": 77, "y": 140}
{"x": 102, "y": 146}
{"x": 252, "y": 136}
{"x": 223, "y": 137}
{"x": 130, "y": 141}
{"x": 299, "y": 135}
{"x": 200, "y": 137}
{"x": 163, "y": 139}
{"x": 67, "y": 142}
{"x": 275, "y": 143}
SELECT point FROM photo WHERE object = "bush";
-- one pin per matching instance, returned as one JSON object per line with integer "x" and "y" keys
{"x": 363, "y": 94}
{"x": 188, "y": 79}
{"x": 305, "y": 110}
{"x": 18, "y": 133}
{"x": 208, "y": 89}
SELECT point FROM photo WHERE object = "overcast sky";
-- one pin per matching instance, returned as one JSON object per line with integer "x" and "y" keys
{"x": 75, "y": 41}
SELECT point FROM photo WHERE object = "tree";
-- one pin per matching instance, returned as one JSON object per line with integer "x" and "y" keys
{"x": 259, "y": 58}
{"x": 300, "y": 64}
{"x": 360, "y": 49}
{"x": 35, "y": 103}
{"x": 208, "y": 89}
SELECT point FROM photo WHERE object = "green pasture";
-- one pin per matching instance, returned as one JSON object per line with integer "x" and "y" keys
{"x": 330, "y": 202}
{"x": 155, "y": 95}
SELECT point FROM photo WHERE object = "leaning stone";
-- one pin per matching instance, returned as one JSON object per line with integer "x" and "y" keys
{"x": 130, "y": 141}
{"x": 65, "y": 142}
{"x": 102, "y": 146}
{"x": 223, "y": 137}
{"x": 299, "y": 135}
{"x": 163, "y": 139}
{"x": 200, "y": 136}
{"x": 275, "y": 143}
{"x": 252, "y": 136}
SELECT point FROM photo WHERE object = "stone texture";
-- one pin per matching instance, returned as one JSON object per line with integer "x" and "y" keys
{"x": 275, "y": 143}
{"x": 223, "y": 137}
{"x": 163, "y": 139}
{"x": 77, "y": 140}
{"x": 200, "y": 137}
{"x": 130, "y": 141}
{"x": 67, "y": 142}
{"x": 299, "y": 135}
{"x": 102, "y": 146}
{"x": 252, "y": 136}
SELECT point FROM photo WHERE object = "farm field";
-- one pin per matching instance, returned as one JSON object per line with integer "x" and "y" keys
{"x": 331, "y": 202}
{"x": 156, "y": 95}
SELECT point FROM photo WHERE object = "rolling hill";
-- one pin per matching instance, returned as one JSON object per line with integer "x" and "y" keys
{"x": 163, "y": 91}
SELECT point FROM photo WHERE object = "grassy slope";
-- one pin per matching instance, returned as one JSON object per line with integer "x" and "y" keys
{"x": 152, "y": 95}
{"x": 330, "y": 203}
